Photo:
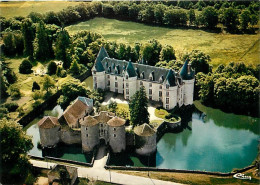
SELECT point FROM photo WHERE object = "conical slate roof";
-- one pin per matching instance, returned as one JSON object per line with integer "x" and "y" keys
{"x": 116, "y": 122}
{"x": 170, "y": 78}
{"x": 101, "y": 55}
{"x": 144, "y": 130}
{"x": 130, "y": 70}
{"x": 184, "y": 72}
{"x": 48, "y": 122}
{"x": 89, "y": 121}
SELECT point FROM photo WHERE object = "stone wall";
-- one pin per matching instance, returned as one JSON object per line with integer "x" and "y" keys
{"x": 49, "y": 137}
{"x": 69, "y": 136}
{"x": 90, "y": 137}
{"x": 188, "y": 91}
{"x": 149, "y": 144}
{"x": 117, "y": 140}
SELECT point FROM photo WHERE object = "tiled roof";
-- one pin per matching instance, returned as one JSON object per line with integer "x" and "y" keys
{"x": 170, "y": 78}
{"x": 144, "y": 130}
{"x": 103, "y": 117}
{"x": 48, "y": 122}
{"x": 184, "y": 72}
{"x": 116, "y": 122}
{"x": 101, "y": 55}
{"x": 74, "y": 112}
{"x": 89, "y": 121}
{"x": 130, "y": 70}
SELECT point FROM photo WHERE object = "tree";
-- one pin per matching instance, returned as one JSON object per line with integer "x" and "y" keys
{"x": 159, "y": 12}
{"x": 112, "y": 106}
{"x": 14, "y": 147}
{"x": 28, "y": 35}
{"x": 35, "y": 86}
{"x": 245, "y": 19}
{"x": 199, "y": 61}
{"x": 230, "y": 19}
{"x": 191, "y": 16}
{"x": 151, "y": 52}
{"x": 40, "y": 44}
{"x": 74, "y": 68}
{"x": 25, "y": 67}
{"x": 48, "y": 83}
{"x": 138, "y": 106}
{"x": 52, "y": 68}
{"x": 210, "y": 17}
{"x": 167, "y": 53}
{"x": 61, "y": 48}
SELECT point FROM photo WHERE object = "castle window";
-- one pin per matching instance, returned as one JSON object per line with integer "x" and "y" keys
{"x": 95, "y": 86}
{"x": 114, "y": 135}
{"x": 94, "y": 72}
{"x": 86, "y": 128}
{"x": 101, "y": 125}
{"x": 108, "y": 76}
{"x": 151, "y": 78}
{"x": 127, "y": 97}
{"x": 126, "y": 85}
{"x": 167, "y": 106}
{"x": 150, "y": 91}
{"x": 116, "y": 84}
{"x": 160, "y": 93}
{"x": 86, "y": 135}
{"x": 150, "y": 84}
{"x": 108, "y": 83}
{"x": 114, "y": 129}
{"x": 127, "y": 91}
{"x": 115, "y": 78}
{"x": 126, "y": 76}
{"x": 116, "y": 90}
{"x": 167, "y": 100}
{"x": 167, "y": 94}
{"x": 95, "y": 79}
{"x": 160, "y": 87}
{"x": 150, "y": 97}
{"x": 167, "y": 86}
{"x": 141, "y": 83}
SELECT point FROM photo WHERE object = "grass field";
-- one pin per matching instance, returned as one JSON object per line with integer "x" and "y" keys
{"x": 11, "y": 9}
{"x": 222, "y": 48}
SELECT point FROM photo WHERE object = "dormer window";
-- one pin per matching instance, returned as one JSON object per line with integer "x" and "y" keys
{"x": 109, "y": 69}
{"x": 126, "y": 76}
{"x": 142, "y": 75}
{"x": 151, "y": 76}
{"x": 113, "y": 65}
{"x": 94, "y": 72}
{"x": 107, "y": 64}
{"x": 167, "y": 86}
{"x": 161, "y": 79}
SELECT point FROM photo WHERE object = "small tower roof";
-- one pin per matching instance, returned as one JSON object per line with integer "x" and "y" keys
{"x": 170, "y": 78}
{"x": 103, "y": 117}
{"x": 130, "y": 70}
{"x": 184, "y": 73}
{"x": 89, "y": 121}
{"x": 144, "y": 130}
{"x": 116, "y": 122}
{"x": 48, "y": 122}
{"x": 101, "y": 55}
{"x": 87, "y": 101}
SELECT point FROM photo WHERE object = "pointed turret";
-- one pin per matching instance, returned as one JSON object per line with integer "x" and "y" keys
{"x": 170, "y": 78}
{"x": 130, "y": 70}
{"x": 186, "y": 73}
{"x": 101, "y": 55}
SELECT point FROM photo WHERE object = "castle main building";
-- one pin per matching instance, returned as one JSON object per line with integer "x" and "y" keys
{"x": 162, "y": 85}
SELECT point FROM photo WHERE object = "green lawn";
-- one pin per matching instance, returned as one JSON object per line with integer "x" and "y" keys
{"x": 222, "y": 48}
{"x": 12, "y": 9}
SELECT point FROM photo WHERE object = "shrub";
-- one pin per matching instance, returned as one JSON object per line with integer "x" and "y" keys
{"x": 25, "y": 67}
{"x": 15, "y": 92}
{"x": 37, "y": 95}
{"x": 52, "y": 68}
{"x": 35, "y": 86}
{"x": 11, "y": 107}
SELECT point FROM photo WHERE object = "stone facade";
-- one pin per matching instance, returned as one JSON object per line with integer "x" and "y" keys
{"x": 146, "y": 138}
{"x": 162, "y": 85}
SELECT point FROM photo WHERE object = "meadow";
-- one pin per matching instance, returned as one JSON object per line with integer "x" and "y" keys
{"x": 222, "y": 48}
{"x": 12, "y": 9}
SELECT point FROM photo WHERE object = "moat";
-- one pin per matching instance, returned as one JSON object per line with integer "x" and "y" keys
{"x": 212, "y": 141}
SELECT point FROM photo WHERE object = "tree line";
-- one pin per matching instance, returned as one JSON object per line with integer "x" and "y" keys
{"x": 236, "y": 16}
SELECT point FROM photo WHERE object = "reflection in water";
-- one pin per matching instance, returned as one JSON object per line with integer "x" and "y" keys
{"x": 210, "y": 140}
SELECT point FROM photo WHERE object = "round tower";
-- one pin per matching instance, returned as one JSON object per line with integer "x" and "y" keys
{"x": 89, "y": 133}
{"x": 49, "y": 129}
{"x": 116, "y": 133}
{"x": 145, "y": 139}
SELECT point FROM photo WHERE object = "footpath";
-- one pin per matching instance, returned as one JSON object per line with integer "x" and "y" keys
{"x": 98, "y": 172}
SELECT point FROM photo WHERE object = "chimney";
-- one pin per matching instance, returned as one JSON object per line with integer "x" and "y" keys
{"x": 189, "y": 68}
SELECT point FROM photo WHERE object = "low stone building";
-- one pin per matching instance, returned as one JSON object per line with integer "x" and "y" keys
{"x": 104, "y": 127}
{"x": 145, "y": 139}
{"x": 49, "y": 128}
{"x": 63, "y": 175}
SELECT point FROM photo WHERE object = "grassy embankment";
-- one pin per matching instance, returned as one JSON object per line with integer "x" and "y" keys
{"x": 12, "y": 9}
{"x": 222, "y": 48}
{"x": 189, "y": 178}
